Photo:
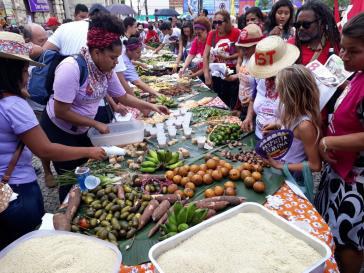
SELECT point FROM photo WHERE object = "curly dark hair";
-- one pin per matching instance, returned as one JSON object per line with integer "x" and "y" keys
{"x": 110, "y": 23}
{"x": 326, "y": 20}
{"x": 242, "y": 18}
{"x": 271, "y": 22}
{"x": 11, "y": 76}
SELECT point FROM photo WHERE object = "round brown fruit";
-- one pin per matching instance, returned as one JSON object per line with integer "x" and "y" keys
{"x": 190, "y": 174}
{"x": 224, "y": 171}
{"x": 172, "y": 188}
{"x": 184, "y": 181}
{"x": 189, "y": 192}
{"x": 257, "y": 168}
{"x": 240, "y": 168}
{"x": 247, "y": 166}
{"x": 234, "y": 174}
{"x": 217, "y": 159}
{"x": 230, "y": 191}
{"x": 177, "y": 179}
{"x": 228, "y": 166}
{"x": 207, "y": 157}
{"x": 249, "y": 181}
{"x": 183, "y": 171}
{"x": 190, "y": 185}
{"x": 209, "y": 193}
{"x": 194, "y": 168}
{"x": 211, "y": 164}
{"x": 245, "y": 173}
{"x": 222, "y": 163}
{"x": 203, "y": 167}
{"x": 259, "y": 187}
{"x": 196, "y": 179}
{"x": 201, "y": 173}
{"x": 180, "y": 193}
{"x": 218, "y": 190}
{"x": 257, "y": 176}
{"x": 216, "y": 175}
{"x": 229, "y": 184}
{"x": 209, "y": 171}
{"x": 207, "y": 179}
{"x": 169, "y": 175}
{"x": 176, "y": 170}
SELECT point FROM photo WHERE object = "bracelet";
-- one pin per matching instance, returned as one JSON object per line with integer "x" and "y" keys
{"x": 325, "y": 145}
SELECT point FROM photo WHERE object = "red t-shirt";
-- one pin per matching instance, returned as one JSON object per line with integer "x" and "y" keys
{"x": 152, "y": 36}
{"x": 308, "y": 53}
{"x": 197, "y": 49}
{"x": 224, "y": 45}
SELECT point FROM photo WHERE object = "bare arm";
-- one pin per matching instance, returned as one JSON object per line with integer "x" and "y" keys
{"x": 238, "y": 64}
{"x": 197, "y": 73}
{"x": 351, "y": 142}
{"x": 145, "y": 87}
{"x": 36, "y": 51}
{"x": 54, "y": 151}
{"x": 180, "y": 51}
{"x": 49, "y": 46}
{"x": 143, "y": 106}
{"x": 187, "y": 63}
{"x": 125, "y": 84}
{"x": 160, "y": 47}
{"x": 206, "y": 61}
{"x": 248, "y": 121}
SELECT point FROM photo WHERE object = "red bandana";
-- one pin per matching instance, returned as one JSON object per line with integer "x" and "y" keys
{"x": 100, "y": 38}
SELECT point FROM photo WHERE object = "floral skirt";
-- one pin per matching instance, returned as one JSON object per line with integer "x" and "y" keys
{"x": 342, "y": 206}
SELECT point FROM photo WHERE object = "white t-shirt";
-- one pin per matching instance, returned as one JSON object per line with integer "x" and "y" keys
{"x": 120, "y": 67}
{"x": 265, "y": 108}
{"x": 174, "y": 37}
{"x": 71, "y": 37}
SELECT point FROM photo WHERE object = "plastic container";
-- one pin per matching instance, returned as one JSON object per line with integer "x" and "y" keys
{"x": 46, "y": 233}
{"x": 121, "y": 133}
{"x": 201, "y": 140}
{"x": 187, "y": 132}
{"x": 319, "y": 246}
{"x": 81, "y": 174}
{"x": 172, "y": 131}
{"x": 91, "y": 182}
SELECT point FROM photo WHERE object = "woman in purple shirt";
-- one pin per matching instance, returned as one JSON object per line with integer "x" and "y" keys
{"x": 19, "y": 124}
{"x": 70, "y": 112}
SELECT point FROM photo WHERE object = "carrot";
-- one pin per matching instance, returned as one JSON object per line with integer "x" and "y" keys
{"x": 162, "y": 209}
{"x": 121, "y": 193}
{"x": 172, "y": 198}
{"x": 155, "y": 228}
{"x": 219, "y": 205}
{"x": 147, "y": 214}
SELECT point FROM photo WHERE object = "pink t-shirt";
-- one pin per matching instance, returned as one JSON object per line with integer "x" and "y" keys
{"x": 67, "y": 89}
{"x": 197, "y": 49}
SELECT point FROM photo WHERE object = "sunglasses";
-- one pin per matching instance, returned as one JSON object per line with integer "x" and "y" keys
{"x": 218, "y": 22}
{"x": 304, "y": 24}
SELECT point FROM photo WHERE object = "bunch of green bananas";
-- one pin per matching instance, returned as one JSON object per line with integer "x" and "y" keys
{"x": 160, "y": 159}
{"x": 166, "y": 101}
{"x": 181, "y": 218}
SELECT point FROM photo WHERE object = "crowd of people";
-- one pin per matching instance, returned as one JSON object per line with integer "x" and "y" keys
{"x": 265, "y": 81}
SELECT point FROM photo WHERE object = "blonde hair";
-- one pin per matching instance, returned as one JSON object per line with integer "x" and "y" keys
{"x": 299, "y": 96}
{"x": 227, "y": 19}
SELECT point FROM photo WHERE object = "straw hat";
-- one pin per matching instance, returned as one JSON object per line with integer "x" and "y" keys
{"x": 272, "y": 54}
{"x": 250, "y": 35}
{"x": 13, "y": 46}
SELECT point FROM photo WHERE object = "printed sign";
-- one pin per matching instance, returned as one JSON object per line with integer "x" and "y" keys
{"x": 222, "y": 4}
{"x": 275, "y": 145}
{"x": 244, "y": 5}
{"x": 38, "y": 5}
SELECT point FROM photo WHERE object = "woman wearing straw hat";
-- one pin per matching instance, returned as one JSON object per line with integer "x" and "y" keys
{"x": 248, "y": 39}
{"x": 271, "y": 55}
{"x": 19, "y": 125}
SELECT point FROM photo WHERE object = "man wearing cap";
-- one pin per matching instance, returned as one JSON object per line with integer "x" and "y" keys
{"x": 53, "y": 24}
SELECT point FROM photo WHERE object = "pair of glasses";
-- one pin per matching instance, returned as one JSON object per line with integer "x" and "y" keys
{"x": 218, "y": 22}
{"x": 304, "y": 24}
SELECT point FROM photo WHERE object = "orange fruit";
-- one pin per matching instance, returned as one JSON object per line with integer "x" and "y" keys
{"x": 216, "y": 175}
{"x": 247, "y": 166}
{"x": 249, "y": 181}
{"x": 257, "y": 168}
{"x": 202, "y": 173}
{"x": 259, "y": 187}
{"x": 230, "y": 191}
{"x": 189, "y": 192}
{"x": 234, "y": 174}
{"x": 180, "y": 193}
{"x": 207, "y": 179}
{"x": 216, "y": 158}
{"x": 218, "y": 190}
{"x": 190, "y": 185}
{"x": 211, "y": 164}
{"x": 169, "y": 175}
{"x": 222, "y": 163}
{"x": 229, "y": 184}
{"x": 194, "y": 168}
{"x": 172, "y": 188}
{"x": 257, "y": 176}
{"x": 184, "y": 181}
{"x": 190, "y": 174}
{"x": 203, "y": 167}
{"x": 176, "y": 170}
{"x": 245, "y": 173}
{"x": 196, "y": 179}
{"x": 228, "y": 166}
{"x": 224, "y": 171}
{"x": 177, "y": 179}
{"x": 209, "y": 193}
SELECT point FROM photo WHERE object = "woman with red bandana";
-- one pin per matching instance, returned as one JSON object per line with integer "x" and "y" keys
{"x": 71, "y": 109}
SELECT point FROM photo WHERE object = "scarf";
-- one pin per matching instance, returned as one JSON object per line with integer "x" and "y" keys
{"x": 98, "y": 81}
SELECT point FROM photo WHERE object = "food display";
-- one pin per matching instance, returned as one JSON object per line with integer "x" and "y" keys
{"x": 224, "y": 133}
{"x": 166, "y": 101}
{"x": 250, "y": 157}
{"x": 59, "y": 253}
{"x": 202, "y": 113}
{"x": 176, "y": 90}
{"x": 160, "y": 159}
{"x": 250, "y": 244}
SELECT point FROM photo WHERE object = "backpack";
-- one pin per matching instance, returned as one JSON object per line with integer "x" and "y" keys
{"x": 41, "y": 81}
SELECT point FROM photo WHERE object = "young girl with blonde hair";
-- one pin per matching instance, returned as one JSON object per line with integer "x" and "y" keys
{"x": 298, "y": 111}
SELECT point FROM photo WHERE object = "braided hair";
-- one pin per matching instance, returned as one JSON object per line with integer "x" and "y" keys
{"x": 325, "y": 16}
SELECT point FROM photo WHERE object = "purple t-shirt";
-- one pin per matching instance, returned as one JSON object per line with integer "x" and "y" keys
{"x": 67, "y": 89}
{"x": 16, "y": 117}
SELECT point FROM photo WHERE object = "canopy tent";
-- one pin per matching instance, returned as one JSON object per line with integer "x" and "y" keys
{"x": 121, "y": 9}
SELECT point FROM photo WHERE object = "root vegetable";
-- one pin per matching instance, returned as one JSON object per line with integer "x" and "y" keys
{"x": 156, "y": 227}
{"x": 73, "y": 203}
{"x": 161, "y": 210}
{"x": 171, "y": 198}
{"x": 219, "y": 205}
{"x": 147, "y": 214}
{"x": 233, "y": 200}
{"x": 121, "y": 193}
{"x": 210, "y": 213}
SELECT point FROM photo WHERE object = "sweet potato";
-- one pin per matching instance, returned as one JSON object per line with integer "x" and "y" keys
{"x": 74, "y": 201}
{"x": 210, "y": 213}
{"x": 233, "y": 200}
{"x": 172, "y": 198}
{"x": 61, "y": 222}
{"x": 160, "y": 210}
{"x": 121, "y": 192}
{"x": 219, "y": 205}
{"x": 147, "y": 214}
{"x": 155, "y": 228}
